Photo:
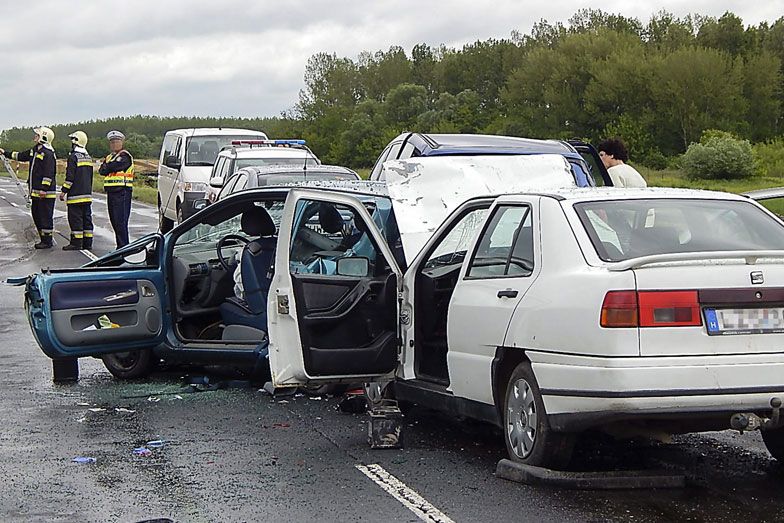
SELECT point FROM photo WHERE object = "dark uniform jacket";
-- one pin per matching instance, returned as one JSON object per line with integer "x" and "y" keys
{"x": 79, "y": 177}
{"x": 117, "y": 170}
{"x": 43, "y": 166}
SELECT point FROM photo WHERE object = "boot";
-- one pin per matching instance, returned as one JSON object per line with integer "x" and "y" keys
{"x": 46, "y": 243}
{"x": 87, "y": 245}
{"x": 75, "y": 245}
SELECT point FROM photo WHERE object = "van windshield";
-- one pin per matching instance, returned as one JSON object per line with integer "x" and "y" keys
{"x": 626, "y": 229}
{"x": 203, "y": 150}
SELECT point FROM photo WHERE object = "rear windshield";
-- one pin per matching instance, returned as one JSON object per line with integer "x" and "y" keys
{"x": 203, "y": 150}
{"x": 261, "y": 162}
{"x": 625, "y": 229}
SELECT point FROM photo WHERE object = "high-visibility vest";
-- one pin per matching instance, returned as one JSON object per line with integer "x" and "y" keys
{"x": 119, "y": 178}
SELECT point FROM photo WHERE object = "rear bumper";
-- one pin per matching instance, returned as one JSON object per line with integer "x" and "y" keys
{"x": 580, "y": 392}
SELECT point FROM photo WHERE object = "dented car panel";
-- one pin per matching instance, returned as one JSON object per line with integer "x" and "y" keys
{"x": 424, "y": 191}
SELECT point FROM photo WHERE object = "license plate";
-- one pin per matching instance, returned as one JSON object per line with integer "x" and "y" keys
{"x": 744, "y": 321}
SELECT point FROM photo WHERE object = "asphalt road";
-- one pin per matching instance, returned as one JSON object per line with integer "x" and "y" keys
{"x": 239, "y": 455}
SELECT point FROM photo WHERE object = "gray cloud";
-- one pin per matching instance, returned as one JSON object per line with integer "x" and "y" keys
{"x": 68, "y": 61}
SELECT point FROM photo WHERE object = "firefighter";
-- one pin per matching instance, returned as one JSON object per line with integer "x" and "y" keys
{"x": 77, "y": 191}
{"x": 117, "y": 169}
{"x": 40, "y": 182}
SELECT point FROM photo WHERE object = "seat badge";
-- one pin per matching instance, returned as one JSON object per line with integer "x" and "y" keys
{"x": 757, "y": 278}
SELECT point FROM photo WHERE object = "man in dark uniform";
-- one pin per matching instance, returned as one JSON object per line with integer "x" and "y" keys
{"x": 77, "y": 191}
{"x": 117, "y": 169}
{"x": 41, "y": 182}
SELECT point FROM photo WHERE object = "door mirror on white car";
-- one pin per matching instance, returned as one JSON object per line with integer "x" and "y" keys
{"x": 357, "y": 267}
{"x": 200, "y": 204}
{"x": 216, "y": 181}
{"x": 172, "y": 162}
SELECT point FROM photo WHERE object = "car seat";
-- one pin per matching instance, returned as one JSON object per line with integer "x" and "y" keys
{"x": 257, "y": 259}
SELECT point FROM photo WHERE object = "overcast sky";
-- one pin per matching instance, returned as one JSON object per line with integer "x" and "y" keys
{"x": 70, "y": 61}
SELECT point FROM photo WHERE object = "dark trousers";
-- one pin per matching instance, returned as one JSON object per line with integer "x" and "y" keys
{"x": 80, "y": 220}
{"x": 43, "y": 211}
{"x": 119, "y": 204}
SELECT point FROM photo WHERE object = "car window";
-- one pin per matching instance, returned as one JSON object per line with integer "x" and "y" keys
{"x": 409, "y": 151}
{"x": 453, "y": 247}
{"x": 593, "y": 166}
{"x": 203, "y": 150}
{"x": 218, "y": 167}
{"x": 506, "y": 246}
{"x": 228, "y": 187}
{"x": 241, "y": 184}
{"x": 168, "y": 146}
{"x": 774, "y": 205}
{"x": 625, "y": 229}
{"x": 325, "y": 233}
{"x": 376, "y": 172}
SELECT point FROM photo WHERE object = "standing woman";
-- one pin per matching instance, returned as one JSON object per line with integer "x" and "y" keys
{"x": 41, "y": 182}
{"x": 117, "y": 169}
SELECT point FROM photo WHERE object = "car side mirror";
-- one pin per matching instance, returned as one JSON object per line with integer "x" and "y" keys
{"x": 172, "y": 162}
{"x": 216, "y": 182}
{"x": 356, "y": 267}
{"x": 200, "y": 204}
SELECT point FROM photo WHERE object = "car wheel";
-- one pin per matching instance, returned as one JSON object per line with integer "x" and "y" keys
{"x": 323, "y": 390}
{"x": 774, "y": 441}
{"x": 527, "y": 433}
{"x": 129, "y": 365}
{"x": 164, "y": 224}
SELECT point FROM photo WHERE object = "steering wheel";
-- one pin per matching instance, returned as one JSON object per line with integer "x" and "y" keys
{"x": 222, "y": 243}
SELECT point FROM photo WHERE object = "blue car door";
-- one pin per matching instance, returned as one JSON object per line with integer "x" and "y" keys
{"x": 114, "y": 304}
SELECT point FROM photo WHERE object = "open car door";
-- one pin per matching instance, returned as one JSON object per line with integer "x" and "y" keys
{"x": 114, "y": 304}
{"x": 333, "y": 304}
{"x": 589, "y": 153}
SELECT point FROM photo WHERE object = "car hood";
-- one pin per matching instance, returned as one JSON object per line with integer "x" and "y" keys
{"x": 424, "y": 191}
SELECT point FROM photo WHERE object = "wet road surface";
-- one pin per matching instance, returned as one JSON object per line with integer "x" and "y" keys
{"x": 240, "y": 455}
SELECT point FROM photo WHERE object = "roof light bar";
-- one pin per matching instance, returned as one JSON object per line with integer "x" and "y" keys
{"x": 268, "y": 142}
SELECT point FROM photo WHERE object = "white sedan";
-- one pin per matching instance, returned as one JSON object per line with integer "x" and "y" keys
{"x": 631, "y": 311}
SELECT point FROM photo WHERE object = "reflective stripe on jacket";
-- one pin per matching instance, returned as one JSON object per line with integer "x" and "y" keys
{"x": 117, "y": 170}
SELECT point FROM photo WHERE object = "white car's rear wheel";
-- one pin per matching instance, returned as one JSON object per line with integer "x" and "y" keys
{"x": 774, "y": 441}
{"x": 528, "y": 436}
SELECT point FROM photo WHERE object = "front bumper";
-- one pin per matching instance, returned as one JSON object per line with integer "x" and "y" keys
{"x": 580, "y": 392}
{"x": 187, "y": 204}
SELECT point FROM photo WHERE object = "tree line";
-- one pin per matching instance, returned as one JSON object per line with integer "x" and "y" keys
{"x": 658, "y": 85}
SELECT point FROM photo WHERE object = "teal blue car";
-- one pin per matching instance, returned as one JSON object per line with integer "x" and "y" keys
{"x": 198, "y": 294}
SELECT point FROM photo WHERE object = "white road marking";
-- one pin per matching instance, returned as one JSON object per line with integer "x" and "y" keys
{"x": 9, "y": 201}
{"x": 90, "y": 255}
{"x": 404, "y": 494}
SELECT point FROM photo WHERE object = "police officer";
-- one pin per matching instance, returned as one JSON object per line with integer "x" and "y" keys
{"x": 77, "y": 191}
{"x": 41, "y": 182}
{"x": 117, "y": 169}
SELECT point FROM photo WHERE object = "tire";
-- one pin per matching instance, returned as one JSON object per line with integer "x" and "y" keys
{"x": 129, "y": 365}
{"x": 323, "y": 390}
{"x": 774, "y": 441}
{"x": 527, "y": 433}
{"x": 164, "y": 224}
{"x": 180, "y": 217}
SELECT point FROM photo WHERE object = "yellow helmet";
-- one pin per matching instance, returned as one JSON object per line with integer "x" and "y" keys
{"x": 45, "y": 135}
{"x": 79, "y": 138}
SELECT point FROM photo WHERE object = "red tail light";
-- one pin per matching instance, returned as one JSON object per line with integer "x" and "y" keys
{"x": 669, "y": 309}
{"x": 620, "y": 309}
{"x": 651, "y": 309}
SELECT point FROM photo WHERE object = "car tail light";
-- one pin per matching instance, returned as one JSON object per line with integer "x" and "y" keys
{"x": 651, "y": 309}
{"x": 620, "y": 309}
{"x": 669, "y": 309}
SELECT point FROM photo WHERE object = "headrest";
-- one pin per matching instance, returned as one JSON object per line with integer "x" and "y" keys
{"x": 256, "y": 221}
{"x": 330, "y": 219}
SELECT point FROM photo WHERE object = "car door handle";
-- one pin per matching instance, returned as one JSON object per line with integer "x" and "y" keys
{"x": 507, "y": 293}
{"x": 120, "y": 295}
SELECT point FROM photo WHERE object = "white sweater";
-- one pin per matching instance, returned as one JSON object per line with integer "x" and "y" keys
{"x": 626, "y": 176}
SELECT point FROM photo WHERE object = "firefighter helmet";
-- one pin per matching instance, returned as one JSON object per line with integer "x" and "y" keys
{"x": 45, "y": 135}
{"x": 79, "y": 138}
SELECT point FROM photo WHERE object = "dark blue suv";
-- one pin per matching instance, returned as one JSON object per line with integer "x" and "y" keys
{"x": 588, "y": 170}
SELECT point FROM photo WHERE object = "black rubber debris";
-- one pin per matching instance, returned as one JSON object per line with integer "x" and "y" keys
{"x": 611, "y": 480}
